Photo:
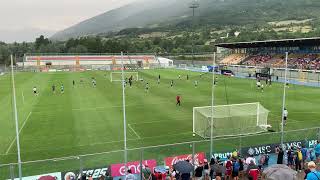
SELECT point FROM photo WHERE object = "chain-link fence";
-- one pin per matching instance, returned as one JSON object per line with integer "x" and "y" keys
{"x": 162, "y": 155}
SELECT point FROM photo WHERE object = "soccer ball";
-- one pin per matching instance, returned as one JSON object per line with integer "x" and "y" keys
{"x": 194, "y": 135}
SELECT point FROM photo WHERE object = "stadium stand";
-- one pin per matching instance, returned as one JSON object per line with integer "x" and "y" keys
{"x": 233, "y": 59}
{"x": 303, "y": 53}
{"x": 295, "y": 61}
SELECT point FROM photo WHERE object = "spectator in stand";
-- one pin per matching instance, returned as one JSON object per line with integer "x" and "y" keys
{"x": 219, "y": 169}
{"x": 206, "y": 169}
{"x": 175, "y": 174}
{"x": 249, "y": 159}
{"x": 290, "y": 157}
{"x": 130, "y": 176}
{"x": 298, "y": 160}
{"x": 241, "y": 168}
{"x": 235, "y": 169}
{"x": 304, "y": 152}
{"x": 212, "y": 167}
{"x": 228, "y": 166}
{"x": 317, "y": 151}
{"x": 199, "y": 172}
{"x": 84, "y": 176}
{"x": 107, "y": 176}
{"x": 313, "y": 174}
{"x": 146, "y": 173}
{"x": 251, "y": 166}
{"x": 280, "y": 156}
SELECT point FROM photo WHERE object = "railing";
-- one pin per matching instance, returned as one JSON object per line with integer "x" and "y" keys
{"x": 98, "y": 163}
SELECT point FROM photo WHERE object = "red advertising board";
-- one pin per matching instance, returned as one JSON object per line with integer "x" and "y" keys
{"x": 170, "y": 161}
{"x": 119, "y": 169}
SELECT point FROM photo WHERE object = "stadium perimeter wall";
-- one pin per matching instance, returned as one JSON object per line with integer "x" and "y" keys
{"x": 296, "y": 74}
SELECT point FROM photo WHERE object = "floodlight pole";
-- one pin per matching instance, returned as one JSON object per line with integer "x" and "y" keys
{"x": 124, "y": 116}
{"x": 212, "y": 104}
{"x": 193, "y": 6}
{"x": 284, "y": 99}
{"x": 16, "y": 118}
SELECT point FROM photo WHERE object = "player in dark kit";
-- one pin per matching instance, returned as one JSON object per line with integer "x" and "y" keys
{"x": 53, "y": 88}
{"x": 130, "y": 81}
{"x": 171, "y": 83}
{"x": 62, "y": 89}
{"x": 178, "y": 99}
{"x": 73, "y": 83}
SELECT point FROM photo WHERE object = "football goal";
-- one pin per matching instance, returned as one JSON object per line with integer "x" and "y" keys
{"x": 183, "y": 66}
{"x": 230, "y": 120}
{"x": 117, "y": 76}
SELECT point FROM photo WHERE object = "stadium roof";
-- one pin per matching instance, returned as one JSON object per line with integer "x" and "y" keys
{"x": 273, "y": 43}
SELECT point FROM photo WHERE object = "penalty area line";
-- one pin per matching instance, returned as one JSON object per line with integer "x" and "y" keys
{"x": 134, "y": 131}
{"x": 15, "y": 138}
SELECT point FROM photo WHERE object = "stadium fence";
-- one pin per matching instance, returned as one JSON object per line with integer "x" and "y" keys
{"x": 303, "y": 76}
{"x": 98, "y": 163}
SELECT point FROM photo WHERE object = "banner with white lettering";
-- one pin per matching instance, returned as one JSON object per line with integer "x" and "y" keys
{"x": 270, "y": 148}
{"x": 96, "y": 173}
{"x": 119, "y": 169}
{"x": 199, "y": 157}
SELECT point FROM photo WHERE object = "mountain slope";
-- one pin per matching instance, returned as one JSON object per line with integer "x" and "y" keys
{"x": 177, "y": 12}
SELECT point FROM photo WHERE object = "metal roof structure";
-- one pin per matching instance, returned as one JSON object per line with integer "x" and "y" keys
{"x": 273, "y": 43}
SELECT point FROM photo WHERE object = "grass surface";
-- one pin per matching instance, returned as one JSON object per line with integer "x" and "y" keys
{"x": 87, "y": 120}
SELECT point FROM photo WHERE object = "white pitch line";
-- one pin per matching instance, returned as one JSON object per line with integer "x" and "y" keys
{"x": 151, "y": 122}
{"x": 24, "y": 123}
{"x": 134, "y": 131}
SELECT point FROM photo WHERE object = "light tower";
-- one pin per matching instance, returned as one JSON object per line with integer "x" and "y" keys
{"x": 194, "y": 5}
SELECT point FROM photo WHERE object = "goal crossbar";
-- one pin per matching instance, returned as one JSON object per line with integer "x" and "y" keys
{"x": 230, "y": 120}
{"x": 117, "y": 76}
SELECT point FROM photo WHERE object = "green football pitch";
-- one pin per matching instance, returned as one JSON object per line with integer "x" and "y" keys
{"x": 87, "y": 120}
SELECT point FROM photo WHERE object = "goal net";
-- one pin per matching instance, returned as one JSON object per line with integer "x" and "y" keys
{"x": 230, "y": 120}
{"x": 183, "y": 66}
{"x": 117, "y": 76}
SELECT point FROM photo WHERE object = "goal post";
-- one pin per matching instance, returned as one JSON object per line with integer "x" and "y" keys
{"x": 183, "y": 66}
{"x": 117, "y": 76}
{"x": 230, "y": 120}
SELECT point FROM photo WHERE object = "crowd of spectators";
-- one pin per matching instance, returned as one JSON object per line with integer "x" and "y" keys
{"x": 305, "y": 162}
{"x": 258, "y": 60}
{"x": 236, "y": 167}
{"x": 306, "y": 61}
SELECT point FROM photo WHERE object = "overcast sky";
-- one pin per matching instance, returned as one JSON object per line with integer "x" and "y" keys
{"x": 24, "y": 20}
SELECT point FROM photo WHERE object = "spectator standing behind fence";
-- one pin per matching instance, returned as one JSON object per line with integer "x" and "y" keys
{"x": 313, "y": 174}
{"x": 280, "y": 156}
{"x": 290, "y": 157}
{"x": 228, "y": 166}
{"x": 235, "y": 169}
{"x": 317, "y": 151}
{"x": 146, "y": 173}
{"x": 199, "y": 172}
{"x": 206, "y": 169}
{"x": 304, "y": 152}
{"x": 130, "y": 176}
{"x": 298, "y": 160}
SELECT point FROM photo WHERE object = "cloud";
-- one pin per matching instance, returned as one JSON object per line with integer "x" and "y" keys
{"x": 49, "y": 15}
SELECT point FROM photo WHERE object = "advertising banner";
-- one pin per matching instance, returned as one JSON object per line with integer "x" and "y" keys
{"x": 119, "y": 169}
{"x": 199, "y": 157}
{"x": 94, "y": 172}
{"x": 270, "y": 148}
{"x": 49, "y": 176}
